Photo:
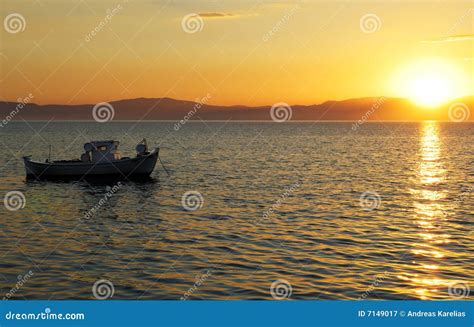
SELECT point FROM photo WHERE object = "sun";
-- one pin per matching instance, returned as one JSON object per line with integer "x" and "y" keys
{"x": 430, "y": 83}
{"x": 430, "y": 90}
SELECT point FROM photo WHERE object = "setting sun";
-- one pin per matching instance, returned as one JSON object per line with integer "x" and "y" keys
{"x": 430, "y": 83}
{"x": 430, "y": 90}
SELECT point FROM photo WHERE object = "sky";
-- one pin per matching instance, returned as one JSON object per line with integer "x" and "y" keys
{"x": 235, "y": 52}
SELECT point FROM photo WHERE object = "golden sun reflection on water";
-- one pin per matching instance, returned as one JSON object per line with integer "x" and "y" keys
{"x": 430, "y": 213}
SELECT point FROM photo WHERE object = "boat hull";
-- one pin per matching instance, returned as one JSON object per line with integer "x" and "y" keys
{"x": 141, "y": 166}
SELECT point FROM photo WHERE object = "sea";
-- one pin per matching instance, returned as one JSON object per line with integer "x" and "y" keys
{"x": 244, "y": 211}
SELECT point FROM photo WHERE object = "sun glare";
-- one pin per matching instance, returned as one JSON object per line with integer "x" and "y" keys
{"x": 429, "y": 90}
{"x": 430, "y": 83}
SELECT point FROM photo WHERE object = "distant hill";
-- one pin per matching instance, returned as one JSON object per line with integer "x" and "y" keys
{"x": 375, "y": 108}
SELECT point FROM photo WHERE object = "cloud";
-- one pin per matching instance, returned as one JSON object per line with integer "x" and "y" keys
{"x": 451, "y": 38}
{"x": 216, "y": 15}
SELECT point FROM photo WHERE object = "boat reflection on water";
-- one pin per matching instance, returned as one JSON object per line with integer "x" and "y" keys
{"x": 113, "y": 191}
{"x": 431, "y": 211}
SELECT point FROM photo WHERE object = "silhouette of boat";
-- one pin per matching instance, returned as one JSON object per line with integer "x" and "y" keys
{"x": 100, "y": 160}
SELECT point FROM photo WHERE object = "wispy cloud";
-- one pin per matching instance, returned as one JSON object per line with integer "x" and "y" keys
{"x": 451, "y": 38}
{"x": 217, "y": 15}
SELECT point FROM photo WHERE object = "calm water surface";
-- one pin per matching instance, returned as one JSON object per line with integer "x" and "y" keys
{"x": 280, "y": 202}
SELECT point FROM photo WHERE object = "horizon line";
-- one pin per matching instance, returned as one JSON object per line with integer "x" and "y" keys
{"x": 234, "y": 105}
{"x": 269, "y": 121}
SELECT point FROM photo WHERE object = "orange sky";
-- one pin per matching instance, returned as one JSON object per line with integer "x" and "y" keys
{"x": 239, "y": 52}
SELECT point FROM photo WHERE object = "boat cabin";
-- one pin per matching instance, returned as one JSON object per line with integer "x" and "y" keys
{"x": 100, "y": 151}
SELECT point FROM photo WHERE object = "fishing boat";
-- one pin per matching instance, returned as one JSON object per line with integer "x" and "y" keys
{"x": 100, "y": 159}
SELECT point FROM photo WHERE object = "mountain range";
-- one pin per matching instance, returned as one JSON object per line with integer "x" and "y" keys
{"x": 369, "y": 108}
